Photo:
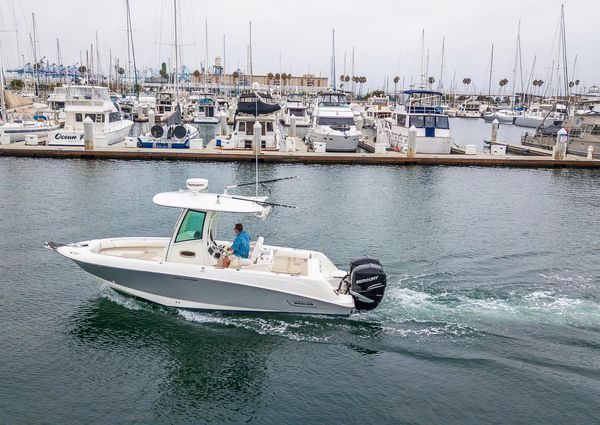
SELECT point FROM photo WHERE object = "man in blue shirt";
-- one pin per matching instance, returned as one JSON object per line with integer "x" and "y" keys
{"x": 240, "y": 248}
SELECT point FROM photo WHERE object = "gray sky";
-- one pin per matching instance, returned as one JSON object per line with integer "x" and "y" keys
{"x": 386, "y": 35}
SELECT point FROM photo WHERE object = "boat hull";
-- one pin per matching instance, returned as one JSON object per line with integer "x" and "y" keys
{"x": 196, "y": 293}
{"x": 334, "y": 142}
{"x": 18, "y": 134}
{"x": 76, "y": 138}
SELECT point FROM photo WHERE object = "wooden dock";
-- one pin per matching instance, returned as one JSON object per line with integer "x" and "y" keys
{"x": 120, "y": 152}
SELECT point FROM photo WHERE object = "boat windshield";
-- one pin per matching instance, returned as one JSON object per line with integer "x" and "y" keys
{"x": 333, "y": 99}
{"x": 336, "y": 121}
{"x": 191, "y": 227}
{"x": 297, "y": 112}
{"x": 430, "y": 121}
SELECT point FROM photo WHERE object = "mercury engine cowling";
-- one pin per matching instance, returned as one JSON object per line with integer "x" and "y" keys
{"x": 367, "y": 282}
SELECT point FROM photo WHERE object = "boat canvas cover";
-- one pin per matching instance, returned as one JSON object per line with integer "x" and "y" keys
{"x": 13, "y": 100}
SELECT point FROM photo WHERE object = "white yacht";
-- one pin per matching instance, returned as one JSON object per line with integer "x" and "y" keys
{"x": 203, "y": 108}
{"x": 503, "y": 116}
{"x": 24, "y": 117}
{"x": 471, "y": 109}
{"x": 333, "y": 123}
{"x": 83, "y": 102}
{"x": 420, "y": 108}
{"x": 183, "y": 270}
{"x": 295, "y": 105}
{"x": 19, "y": 128}
{"x": 252, "y": 108}
{"x": 166, "y": 106}
{"x": 541, "y": 115}
{"x": 377, "y": 108}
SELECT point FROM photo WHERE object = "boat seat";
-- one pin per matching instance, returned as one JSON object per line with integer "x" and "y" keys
{"x": 254, "y": 255}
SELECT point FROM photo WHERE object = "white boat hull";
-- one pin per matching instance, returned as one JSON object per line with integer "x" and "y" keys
{"x": 198, "y": 287}
{"x": 17, "y": 134}
{"x": 75, "y": 138}
{"x": 334, "y": 141}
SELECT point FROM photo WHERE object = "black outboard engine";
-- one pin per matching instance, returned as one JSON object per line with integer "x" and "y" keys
{"x": 367, "y": 282}
{"x": 157, "y": 131}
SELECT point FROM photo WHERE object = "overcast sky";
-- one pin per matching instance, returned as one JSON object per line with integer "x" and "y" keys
{"x": 386, "y": 35}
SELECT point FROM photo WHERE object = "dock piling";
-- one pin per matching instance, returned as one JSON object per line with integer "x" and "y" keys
{"x": 359, "y": 123}
{"x": 88, "y": 134}
{"x": 411, "y": 150}
{"x": 151, "y": 118}
{"x": 257, "y": 130}
{"x": 494, "y": 130}
{"x": 292, "y": 132}
{"x": 223, "y": 121}
{"x": 560, "y": 148}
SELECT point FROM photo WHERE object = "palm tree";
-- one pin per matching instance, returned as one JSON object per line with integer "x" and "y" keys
{"x": 431, "y": 80}
{"x": 502, "y": 83}
{"x": 396, "y": 80}
{"x": 197, "y": 74}
{"x": 362, "y": 81}
{"x": 270, "y": 78}
{"x": 342, "y": 79}
{"x": 82, "y": 69}
{"x": 235, "y": 76}
{"x": 466, "y": 82}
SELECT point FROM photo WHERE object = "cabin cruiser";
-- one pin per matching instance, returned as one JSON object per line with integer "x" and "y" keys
{"x": 583, "y": 133}
{"x": 295, "y": 106}
{"x": 503, "y": 116}
{"x": 471, "y": 109}
{"x": 82, "y": 102}
{"x": 175, "y": 136}
{"x": 166, "y": 106}
{"x": 333, "y": 123}
{"x": 377, "y": 108}
{"x": 203, "y": 108}
{"x": 183, "y": 271}
{"x": 421, "y": 109}
{"x": 254, "y": 108}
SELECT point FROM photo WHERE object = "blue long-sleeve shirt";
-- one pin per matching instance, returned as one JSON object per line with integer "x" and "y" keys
{"x": 241, "y": 245}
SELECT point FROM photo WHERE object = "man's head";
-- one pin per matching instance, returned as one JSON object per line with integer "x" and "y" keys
{"x": 238, "y": 227}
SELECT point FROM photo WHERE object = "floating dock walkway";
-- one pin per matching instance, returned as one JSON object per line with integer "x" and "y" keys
{"x": 120, "y": 152}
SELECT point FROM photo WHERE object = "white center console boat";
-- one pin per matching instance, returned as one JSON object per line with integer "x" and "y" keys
{"x": 182, "y": 271}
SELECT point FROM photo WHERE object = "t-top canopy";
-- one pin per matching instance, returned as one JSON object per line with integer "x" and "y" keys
{"x": 203, "y": 201}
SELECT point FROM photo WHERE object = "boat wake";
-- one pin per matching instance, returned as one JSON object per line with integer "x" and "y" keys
{"x": 409, "y": 313}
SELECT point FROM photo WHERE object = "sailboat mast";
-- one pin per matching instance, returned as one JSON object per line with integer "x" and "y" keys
{"x": 491, "y": 70}
{"x": 250, "y": 53}
{"x": 564, "y": 48}
{"x": 2, "y": 100}
{"x": 128, "y": 43}
{"x": 514, "y": 77}
{"x": 176, "y": 81}
{"x": 422, "y": 56}
{"x": 58, "y": 56}
{"x": 441, "y": 82}
{"x": 36, "y": 71}
{"x": 135, "y": 80}
{"x": 223, "y": 68}
{"x": 98, "y": 67}
{"x": 333, "y": 59}
{"x": 109, "y": 69}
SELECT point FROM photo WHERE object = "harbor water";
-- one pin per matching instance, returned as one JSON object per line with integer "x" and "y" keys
{"x": 492, "y": 312}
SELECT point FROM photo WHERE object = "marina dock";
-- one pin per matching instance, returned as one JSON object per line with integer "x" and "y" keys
{"x": 120, "y": 152}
